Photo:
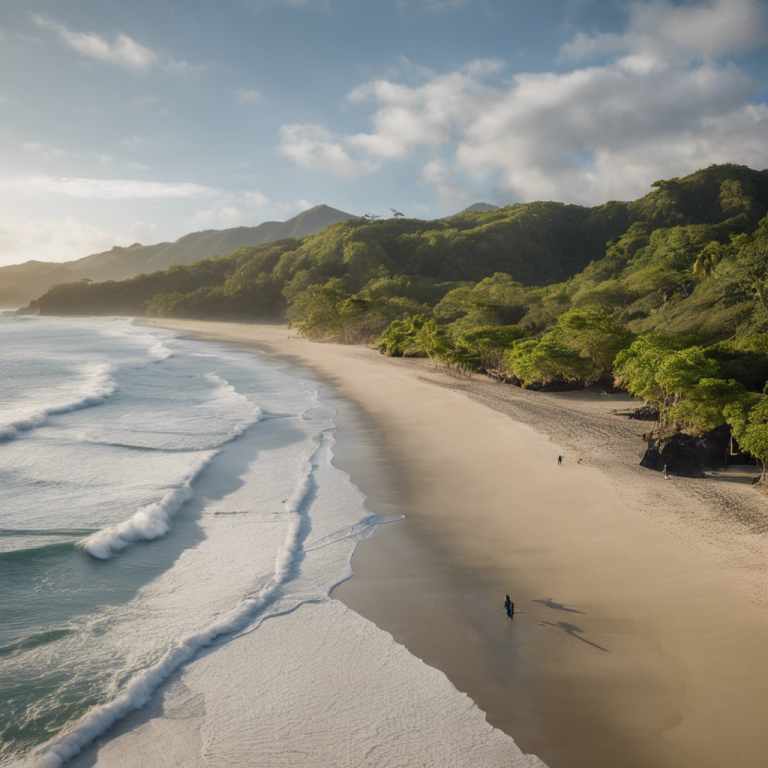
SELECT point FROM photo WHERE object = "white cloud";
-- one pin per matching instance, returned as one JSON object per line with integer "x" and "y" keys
{"x": 249, "y": 96}
{"x": 448, "y": 191}
{"x": 256, "y": 199}
{"x": 137, "y": 167}
{"x": 46, "y": 151}
{"x": 246, "y": 210}
{"x": 54, "y": 240}
{"x": 220, "y": 217}
{"x": 143, "y": 231}
{"x": 112, "y": 189}
{"x": 706, "y": 30}
{"x": 427, "y": 115}
{"x": 123, "y": 51}
{"x": 290, "y": 208}
{"x": 311, "y": 146}
{"x": 586, "y": 135}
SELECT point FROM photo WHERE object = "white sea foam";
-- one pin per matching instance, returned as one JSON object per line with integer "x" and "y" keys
{"x": 97, "y": 388}
{"x": 153, "y": 521}
{"x": 159, "y": 351}
{"x": 140, "y": 688}
{"x": 150, "y": 522}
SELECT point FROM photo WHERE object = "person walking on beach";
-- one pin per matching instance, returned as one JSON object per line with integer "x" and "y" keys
{"x": 510, "y": 606}
{"x": 559, "y": 460}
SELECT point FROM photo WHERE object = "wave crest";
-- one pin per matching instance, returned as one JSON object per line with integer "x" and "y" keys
{"x": 153, "y": 521}
{"x": 139, "y": 689}
{"x": 95, "y": 391}
{"x": 150, "y": 522}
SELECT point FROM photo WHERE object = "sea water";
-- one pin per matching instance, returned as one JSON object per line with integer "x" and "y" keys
{"x": 162, "y": 498}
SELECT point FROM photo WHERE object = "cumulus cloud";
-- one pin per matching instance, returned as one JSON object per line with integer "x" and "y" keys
{"x": 428, "y": 115}
{"x": 123, "y": 51}
{"x": 249, "y": 96}
{"x": 54, "y": 240}
{"x": 112, "y": 189}
{"x": 312, "y": 146}
{"x": 586, "y": 135}
{"x": 707, "y": 30}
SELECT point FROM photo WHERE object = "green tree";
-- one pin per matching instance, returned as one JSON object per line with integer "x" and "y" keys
{"x": 595, "y": 335}
{"x": 489, "y": 344}
{"x": 704, "y": 405}
{"x": 636, "y": 368}
{"x": 659, "y": 279}
{"x": 540, "y": 362}
{"x": 748, "y": 418}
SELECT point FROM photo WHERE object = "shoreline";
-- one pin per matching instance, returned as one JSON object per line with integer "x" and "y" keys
{"x": 619, "y": 657}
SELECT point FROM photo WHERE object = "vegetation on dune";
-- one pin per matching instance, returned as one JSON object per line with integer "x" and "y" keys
{"x": 666, "y": 296}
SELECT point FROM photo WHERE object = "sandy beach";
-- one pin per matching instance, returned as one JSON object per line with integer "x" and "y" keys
{"x": 641, "y": 628}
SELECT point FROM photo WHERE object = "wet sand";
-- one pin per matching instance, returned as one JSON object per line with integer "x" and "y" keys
{"x": 642, "y": 628}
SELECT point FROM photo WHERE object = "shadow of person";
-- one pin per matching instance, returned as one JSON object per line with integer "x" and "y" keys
{"x": 550, "y": 603}
{"x": 572, "y": 629}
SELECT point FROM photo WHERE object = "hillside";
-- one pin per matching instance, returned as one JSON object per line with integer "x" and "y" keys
{"x": 20, "y": 283}
{"x": 684, "y": 258}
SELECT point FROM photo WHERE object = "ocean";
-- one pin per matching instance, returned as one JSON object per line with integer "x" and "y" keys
{"x": 171, "y": 527}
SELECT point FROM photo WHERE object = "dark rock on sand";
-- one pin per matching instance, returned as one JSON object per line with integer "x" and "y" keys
{"x": 645, "y": 413}
{"x": 689, "y": 455}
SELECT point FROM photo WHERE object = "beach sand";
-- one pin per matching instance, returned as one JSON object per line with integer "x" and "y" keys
{"x": 641, "y": 632}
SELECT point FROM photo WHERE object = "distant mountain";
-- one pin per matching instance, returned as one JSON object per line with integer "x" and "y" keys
{"x": 20, "y": 283}
{"x": 308, "y": 222}
{"x": 481, "y": 207}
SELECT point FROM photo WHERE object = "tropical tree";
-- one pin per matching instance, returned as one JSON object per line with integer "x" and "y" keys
{"x": 595, "y": 335}
{"x": 636, "y": 368}
{"x": 704, "y": 406}
{"x": 489, "y": 344}
{"x": 748, "y": 418}
{"x": 538, "y": 362}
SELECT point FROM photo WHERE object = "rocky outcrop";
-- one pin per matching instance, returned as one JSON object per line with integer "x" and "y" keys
{"x": 645, "y": 413}
{"x": 503, "y": 376}
{"x": 691, "y": 455}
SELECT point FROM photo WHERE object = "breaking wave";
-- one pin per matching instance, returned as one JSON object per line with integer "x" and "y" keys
{"x": 96, "y": 390}
{"x": 140, "y": 688}
{"x": 153, "y": 521}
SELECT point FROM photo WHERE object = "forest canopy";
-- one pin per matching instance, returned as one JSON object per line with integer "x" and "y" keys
{"x": 665, "y": 296}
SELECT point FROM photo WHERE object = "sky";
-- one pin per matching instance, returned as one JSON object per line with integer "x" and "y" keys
{"x": 125, "y": 122}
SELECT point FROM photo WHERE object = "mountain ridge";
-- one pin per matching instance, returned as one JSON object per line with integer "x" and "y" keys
{"x": 20, "y": 283}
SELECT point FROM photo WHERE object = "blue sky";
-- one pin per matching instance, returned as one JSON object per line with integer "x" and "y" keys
{"x": 127, "y": 121}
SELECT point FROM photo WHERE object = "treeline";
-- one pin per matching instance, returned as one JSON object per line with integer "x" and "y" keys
{"x": 543, "y": 294}
{"x": 692, "y": 385}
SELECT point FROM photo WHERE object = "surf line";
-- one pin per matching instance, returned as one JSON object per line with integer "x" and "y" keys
{"x": 94, "y": 392}
{"x": 154, "y": 520}
{"x": 140, "y": 688}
